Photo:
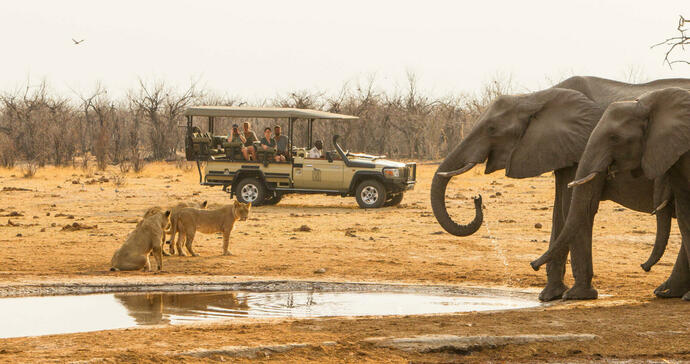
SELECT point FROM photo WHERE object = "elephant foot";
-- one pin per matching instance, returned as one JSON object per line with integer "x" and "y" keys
{"x": 227, "y": 253}
{"x": 552, "y": 291}
{"x": 686, "y": 296}
{"x": 581, "y": 293}
{"x": 670, "y": 290}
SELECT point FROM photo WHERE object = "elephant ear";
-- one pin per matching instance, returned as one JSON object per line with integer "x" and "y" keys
{"x": 560, "y": 122}
{"x": 668, "y": 129}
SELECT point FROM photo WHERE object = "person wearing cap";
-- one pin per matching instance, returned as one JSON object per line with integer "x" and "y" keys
{"x": 237, "y": 137}
{"x": 281, "y": 144}
{"x": 315, "y": 152}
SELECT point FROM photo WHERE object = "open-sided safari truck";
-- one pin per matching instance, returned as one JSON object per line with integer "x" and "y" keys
{"x": 374, "y": 181}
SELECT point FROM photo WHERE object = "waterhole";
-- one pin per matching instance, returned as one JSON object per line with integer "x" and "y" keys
{"x": 45, "y": 315}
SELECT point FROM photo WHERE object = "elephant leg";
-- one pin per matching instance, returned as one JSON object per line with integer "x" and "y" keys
{"x": 581, "y": 247}
{"x": 555, "y": 269}
{"x": 678, "y": 284}
{"x": 581, "y": 263}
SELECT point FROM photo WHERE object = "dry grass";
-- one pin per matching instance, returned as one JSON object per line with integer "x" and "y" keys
{"x": 402, "y": 244}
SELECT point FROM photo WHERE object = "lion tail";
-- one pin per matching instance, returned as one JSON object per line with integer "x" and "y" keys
{"x": 173, "y": 230}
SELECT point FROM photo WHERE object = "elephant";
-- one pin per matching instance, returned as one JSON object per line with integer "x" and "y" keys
{"x": 531, "y": 134}
{"x": 648, "y": 138}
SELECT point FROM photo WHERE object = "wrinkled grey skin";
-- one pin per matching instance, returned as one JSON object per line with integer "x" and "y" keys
{"x": 650, "y": 136}
{"x": 534, "y": 133}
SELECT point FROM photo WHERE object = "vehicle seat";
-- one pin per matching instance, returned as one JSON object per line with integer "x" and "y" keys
{"x": 299, "y": 152}
{"x": 233, "y": 151}
{"x": 201, "y": 144}
{"x": 265, "y": 156}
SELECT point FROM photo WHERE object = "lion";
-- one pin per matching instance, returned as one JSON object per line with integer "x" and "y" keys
{"x": 146, "y": 238}
{"x": 173, "y": 217}
{"x": 190, "y": 220}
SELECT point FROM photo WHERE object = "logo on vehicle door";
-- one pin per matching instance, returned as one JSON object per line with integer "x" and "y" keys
{"x": 316, "y": 175}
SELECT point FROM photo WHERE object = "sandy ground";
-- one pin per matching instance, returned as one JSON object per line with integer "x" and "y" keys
{"x": 401, "y": 244}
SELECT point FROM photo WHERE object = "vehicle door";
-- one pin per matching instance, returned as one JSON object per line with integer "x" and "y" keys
{"x": 319, "y": 174}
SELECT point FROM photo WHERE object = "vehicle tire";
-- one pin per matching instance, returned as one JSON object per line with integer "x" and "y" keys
{"x": 394, "y": 200}
{"x": 273, "y": 200}
{"x": 252, "y": 190}
{"x": 370, "y": 194}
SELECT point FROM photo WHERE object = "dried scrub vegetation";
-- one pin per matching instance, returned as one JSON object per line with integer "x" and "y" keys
{"x": 40, "y": 128}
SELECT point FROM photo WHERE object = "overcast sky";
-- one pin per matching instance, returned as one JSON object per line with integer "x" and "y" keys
{"x": 258, "y": 49}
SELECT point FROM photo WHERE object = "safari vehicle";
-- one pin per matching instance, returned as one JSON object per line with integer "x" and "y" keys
{"x": 372, "y": 180}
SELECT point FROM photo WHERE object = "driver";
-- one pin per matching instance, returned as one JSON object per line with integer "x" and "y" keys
{"x": 315, "y": 152}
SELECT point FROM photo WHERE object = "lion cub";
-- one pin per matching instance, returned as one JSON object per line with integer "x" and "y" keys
{"x": 146, "y": 238}
{"x": 173, "y": 217}
{"x": 190, "y": 220}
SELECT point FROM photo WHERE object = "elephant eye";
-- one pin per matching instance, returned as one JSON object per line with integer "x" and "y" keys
{"x": 491, "y": 129}
{"x": 613, "y": 138}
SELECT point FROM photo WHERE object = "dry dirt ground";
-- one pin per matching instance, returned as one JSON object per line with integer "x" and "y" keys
{"x": 403, "y": 244}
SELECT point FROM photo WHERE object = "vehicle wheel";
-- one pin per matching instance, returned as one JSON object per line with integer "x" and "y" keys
{"x": 273, "y": 200}
{"x": 394, "y": 200}
{"x": 370, "y": 194}
{"x": 250, "y": 190}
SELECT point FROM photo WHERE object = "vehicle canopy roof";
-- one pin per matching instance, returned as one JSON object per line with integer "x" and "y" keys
{"x": 263, "y": 112}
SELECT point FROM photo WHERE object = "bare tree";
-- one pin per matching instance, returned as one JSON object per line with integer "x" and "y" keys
{"x": 162, "y": 109}
{"x": 679, "y": 41}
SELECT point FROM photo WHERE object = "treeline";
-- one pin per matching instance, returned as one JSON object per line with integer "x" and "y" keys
{"x": 39, "y": 128}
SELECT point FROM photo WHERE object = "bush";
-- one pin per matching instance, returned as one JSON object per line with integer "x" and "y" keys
{"x": 8, "y": 155}
{"x": 29, "y": 169}
{"x": 119, "y": 179}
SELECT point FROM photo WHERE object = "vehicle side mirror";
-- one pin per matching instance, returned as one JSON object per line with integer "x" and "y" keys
{"x": 329, "y": 156}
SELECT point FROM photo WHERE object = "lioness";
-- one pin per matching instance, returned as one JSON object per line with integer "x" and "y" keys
{"x": 146, "y": 238}
{"x": 190, "y": 220}
{"x": 173, "y": 217}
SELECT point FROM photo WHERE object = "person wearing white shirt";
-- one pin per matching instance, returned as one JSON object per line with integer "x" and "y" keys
{"x": 315, "y": 152}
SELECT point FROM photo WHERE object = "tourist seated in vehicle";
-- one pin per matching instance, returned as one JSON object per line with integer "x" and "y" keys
{"x": 315, "y": 153}
{"x": 268, "y": 143}
{"x": 281, "y": 144}
{"x": 235, "y": 141}
{"x": 248, "y": 138}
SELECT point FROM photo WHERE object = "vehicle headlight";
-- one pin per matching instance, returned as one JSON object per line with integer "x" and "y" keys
{"x": 391, "y": 172}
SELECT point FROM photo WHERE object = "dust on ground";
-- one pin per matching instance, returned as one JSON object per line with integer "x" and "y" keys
{"x": 340, "y": 243}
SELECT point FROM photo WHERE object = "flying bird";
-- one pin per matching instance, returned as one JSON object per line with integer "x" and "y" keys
{"x": 77, "y": 41}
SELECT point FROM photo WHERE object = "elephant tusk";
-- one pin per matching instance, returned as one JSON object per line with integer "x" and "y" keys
{"x": 660, "y": 207}
{"x": 456, "y": 172}
{"x": 583, "y": 180}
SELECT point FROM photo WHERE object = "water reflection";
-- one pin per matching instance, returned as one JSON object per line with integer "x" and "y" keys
{"x": 32, "y": 316}
{"x": 163, "y": 308}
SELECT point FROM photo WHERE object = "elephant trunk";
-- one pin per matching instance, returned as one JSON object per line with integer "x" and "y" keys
{"x": 587, "y": 187}
{"x": 474, "y": 149}
{"x": 438, "y": 205}
{"x": 663, "y": 200}
{"x": 584, "y": 205}
{"x": 663, "y": 230}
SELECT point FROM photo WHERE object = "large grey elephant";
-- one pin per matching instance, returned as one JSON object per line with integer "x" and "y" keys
{"x": 543, "y": 131}
{"x": 652, "y": 136}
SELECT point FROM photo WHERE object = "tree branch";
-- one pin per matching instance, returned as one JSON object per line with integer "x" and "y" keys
{"x": 674, "y": 42}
